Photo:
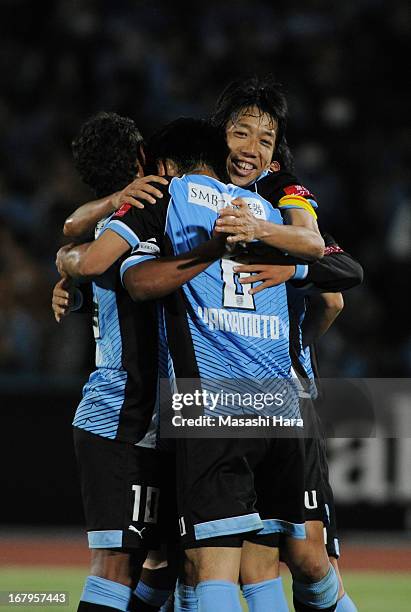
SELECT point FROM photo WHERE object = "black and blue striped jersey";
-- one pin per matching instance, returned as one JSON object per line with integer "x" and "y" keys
{"x": 121, "y": 394}
{"x": 216, "y": 329}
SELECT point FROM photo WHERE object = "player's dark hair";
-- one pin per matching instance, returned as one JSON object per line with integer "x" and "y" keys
{"x": 264, "y": 93}
{"x": 284, "y": 156}
{"x": 106, "y": 151}
{"x": 189, "y": 143}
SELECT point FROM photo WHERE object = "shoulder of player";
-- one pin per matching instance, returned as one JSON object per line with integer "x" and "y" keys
{"x": 201, "y": 179}
{"x": 245, "y": 194}
{"x": 127, "y": 211}
{"x": 199, "y": 189}
{"x": 277, "y": 185}
{"x": 257, "y": 204}
{"x": 274, "y": 181}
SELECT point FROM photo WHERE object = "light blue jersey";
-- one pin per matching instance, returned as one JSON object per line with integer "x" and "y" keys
{"x": 120, "y": 397}
{"x": 226, "y": 334}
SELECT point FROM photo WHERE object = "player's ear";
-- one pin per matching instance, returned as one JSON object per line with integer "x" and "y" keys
{"x": 275, "y": 166}
{"x": 140, "y": 170}
{"x": 142, "y": 155}
{"x": 171, "y": 168}
{"x": 140, "y": 162}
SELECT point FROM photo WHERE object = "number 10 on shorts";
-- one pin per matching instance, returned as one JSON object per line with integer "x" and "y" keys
{"x": 146, "y": 500}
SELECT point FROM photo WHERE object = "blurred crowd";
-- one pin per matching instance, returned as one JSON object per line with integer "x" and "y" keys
{"x": 343, "y": 68}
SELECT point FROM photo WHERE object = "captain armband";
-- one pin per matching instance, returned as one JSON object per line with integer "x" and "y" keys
{"x": 295, "y": 201}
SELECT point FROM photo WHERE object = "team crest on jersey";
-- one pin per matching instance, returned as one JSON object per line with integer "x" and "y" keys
{"x": 256, "y": 207}
{"x": 297, "y": 190}
{"x": 122, "y": 210}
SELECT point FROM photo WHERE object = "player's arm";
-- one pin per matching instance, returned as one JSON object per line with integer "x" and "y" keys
{"x": 301, "y": 239}
{"x": 83, "y": 220}
{"x": 150, "y": 279}
{"x": 67, "y": 298}
{"x": 322, "y": 310}
{"x": 122, "y": 231}
{"x": 91, "y": 258}
{"x": 148, "y": 272}
{"x": 297, "y": 205}
{"x": 337, "y": 271}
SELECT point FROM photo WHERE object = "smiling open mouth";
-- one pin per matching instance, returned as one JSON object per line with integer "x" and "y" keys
{"x": 243, "y": 168}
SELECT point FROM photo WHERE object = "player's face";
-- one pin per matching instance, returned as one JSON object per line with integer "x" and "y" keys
{"x": 251, "y": 140}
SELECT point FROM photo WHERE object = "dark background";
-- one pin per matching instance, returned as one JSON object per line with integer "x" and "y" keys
{"x": 343, "y": 66}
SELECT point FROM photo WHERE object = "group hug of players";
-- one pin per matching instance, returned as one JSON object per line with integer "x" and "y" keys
{"x": 206, "y": 264}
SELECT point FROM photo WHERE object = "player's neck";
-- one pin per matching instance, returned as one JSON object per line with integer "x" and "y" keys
{"x": 204, "y": 170}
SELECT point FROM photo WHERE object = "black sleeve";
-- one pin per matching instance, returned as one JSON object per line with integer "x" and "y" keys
{"x": 83, "y": 299}
{"x": 138, "y": 225}
{"x": 277, "y": 185}
{"x": 336, "y": 271}
{"x": 258, "y": 252}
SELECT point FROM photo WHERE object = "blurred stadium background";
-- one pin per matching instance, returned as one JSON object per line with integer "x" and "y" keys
{"x": 343, "y": 68}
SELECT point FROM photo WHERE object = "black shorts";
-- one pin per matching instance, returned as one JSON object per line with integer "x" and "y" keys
{"x": 128, "y": 493}
{"x": 314, "y": 498}
{"x": 319, "y": 498}
{"x": 330, "y": 529}
{"x": 234, "y": 489}
{"x": 316, "y": 470}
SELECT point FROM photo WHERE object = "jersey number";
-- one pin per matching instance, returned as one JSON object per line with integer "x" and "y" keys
{"x": 310, "y": 499}
{"x": 234, "y": 294}
{"x": 149, "y": 510}
{"x": 96, "y": 322}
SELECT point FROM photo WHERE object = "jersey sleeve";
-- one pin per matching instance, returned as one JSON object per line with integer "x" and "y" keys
{"x": 336, "y": 271}
{"x": 82, "y": 299}
{"x": 137, "y": 225}
{"x": 143, "y": 229}
{"x": 284, "y": 192}
{"x": 125, "y": 224}
{"x": 144, "y": 251}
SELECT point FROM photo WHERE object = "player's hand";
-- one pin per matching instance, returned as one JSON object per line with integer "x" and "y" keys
{"x": 218, "y": 235}
{"x": 267, "y": 274}
{"x": 61, "y": 253}
{"x": 139, "y": 189}
{"x": 239, "y": 222}
{"x": 62, "y": 298}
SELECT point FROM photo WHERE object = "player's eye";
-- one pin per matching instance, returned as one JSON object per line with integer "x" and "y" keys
{"x": 240, "y": 133}
{"x": 267, "y": 143}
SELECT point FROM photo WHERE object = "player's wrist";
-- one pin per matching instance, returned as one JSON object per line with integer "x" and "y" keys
{"x": 115, "y": 201}
{"x": 263, "y": 230}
